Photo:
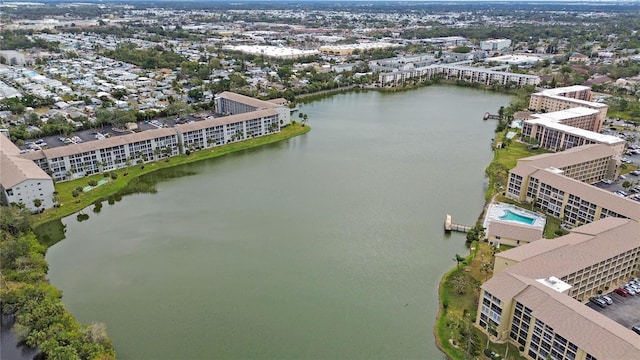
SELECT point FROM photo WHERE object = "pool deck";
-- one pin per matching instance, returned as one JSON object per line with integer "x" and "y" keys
{"x": 496, "y": 210}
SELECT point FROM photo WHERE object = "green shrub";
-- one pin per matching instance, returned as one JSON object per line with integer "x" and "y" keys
{"x": 93, "y": 183}
{"x": 114, "y": 175}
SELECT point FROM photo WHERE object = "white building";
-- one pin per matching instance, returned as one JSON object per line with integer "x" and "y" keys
{"x": 495, "y": 44}
{"x": 22, "y": 181}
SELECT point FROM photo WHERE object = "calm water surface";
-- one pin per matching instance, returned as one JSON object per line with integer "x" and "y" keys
{"x": 325, "y": 246}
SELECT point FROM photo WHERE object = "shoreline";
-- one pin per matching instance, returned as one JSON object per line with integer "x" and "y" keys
{"x": 128, "y": 175}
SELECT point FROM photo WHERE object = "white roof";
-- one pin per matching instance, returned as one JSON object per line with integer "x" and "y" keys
{"x": 591, "y": 135}
{"x": 566, "y": 114}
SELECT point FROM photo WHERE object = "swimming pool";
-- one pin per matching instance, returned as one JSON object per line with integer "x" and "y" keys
{"x": 511, "y": 216}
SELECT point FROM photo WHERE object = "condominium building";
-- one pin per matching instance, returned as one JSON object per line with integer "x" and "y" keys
{"x": 79, "y": 160}
{"x": 557, "y": 99}
{"x": 457, "y": 72}
{"x": 570, "y": 200}
{"x": 250, "y": 118}
{"x": 578, "y": 117}
{"x": 229, "y": 103}
{"x": 534, "y": 299}
{"x": 220, "y": 131}
{"x": 587, "y": 163}
{"x": 22, "y": 181}
{"x": 565, "y": 129}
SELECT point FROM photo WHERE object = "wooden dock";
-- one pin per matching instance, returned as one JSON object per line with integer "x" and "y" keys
{"x": 490, "y": 116}
{"x": 450, "y": 226}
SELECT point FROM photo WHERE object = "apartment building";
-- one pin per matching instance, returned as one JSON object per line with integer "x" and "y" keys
{"x": 557, "y": 99}
{"x": 83, "y": 159}
{"x": 220, "y": 131}
{"x": 534, "y": 299}
{"x": 457, "y": 72}
{"x": 22, "y": 181}
{"x": 570, "y": 200}
{"x": 565, "y": 129}
{"x": 79, "y": 160}
{"x": 588, "y": 163}
{"x": 229, "y": 103}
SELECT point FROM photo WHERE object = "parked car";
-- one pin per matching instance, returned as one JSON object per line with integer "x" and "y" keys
{"x": 636, "y": 329}
{"x": 622, "y": 292}
{"x": 598, "y": 301}
{"x": 607, "y": 299}
{"x": 630, "y": 290}
{"x": 606, "y": 181}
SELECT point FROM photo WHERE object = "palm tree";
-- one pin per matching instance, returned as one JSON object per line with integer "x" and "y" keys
{"x": 458, "y": 259}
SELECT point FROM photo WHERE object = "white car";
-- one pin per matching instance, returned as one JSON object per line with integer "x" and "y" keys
{"x": 607, "y": 299}
{"x": 630, "y": 290}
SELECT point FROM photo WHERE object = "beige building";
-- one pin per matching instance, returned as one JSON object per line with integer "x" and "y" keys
{"x": 557, "y": 99}
{"x": 570, "y": 200}
{"x": 22, "y": 181}
{"x": 534, "y": 299}
{"x": 229, "y": 103}
{"x": 587, "y": 163}
{"x": 561, "y": 130}
{"x": 559, "y": 185}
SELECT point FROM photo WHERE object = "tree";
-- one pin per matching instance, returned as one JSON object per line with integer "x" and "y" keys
{"x": 627, "y": 184}
{"x": 196, "y": 94}
{"x": 458, "y": 259}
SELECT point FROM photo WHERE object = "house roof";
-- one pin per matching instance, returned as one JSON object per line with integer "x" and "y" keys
{"x": 257, "y": 103}
{"x": 573, "y": 156}
{"x": 584, "y": 245}
{"x": 14, "y": 169}
{"x": 511, "y": 230}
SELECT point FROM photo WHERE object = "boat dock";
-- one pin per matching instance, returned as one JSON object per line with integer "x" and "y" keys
{"x": 450, "y": 226}
{"x": 490, "y": 116}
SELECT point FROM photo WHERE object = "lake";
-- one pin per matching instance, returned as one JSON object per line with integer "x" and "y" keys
{"x": 329, "y": 245}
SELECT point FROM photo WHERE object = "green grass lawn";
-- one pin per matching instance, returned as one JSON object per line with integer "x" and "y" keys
{"x": 505, "y": 159}
{"x": 70, "y": 204}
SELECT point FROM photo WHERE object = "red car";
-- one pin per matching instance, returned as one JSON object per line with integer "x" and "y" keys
{"x": 621, "y": 292}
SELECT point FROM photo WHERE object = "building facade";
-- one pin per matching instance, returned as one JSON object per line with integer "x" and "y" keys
{"x": 570, "y": 200}
{"x": 84, "y": 159}
{"x": 558, "y": 99}
{"x": 22, "y": 181}
{"x": 229, "y": 103}
{"x": 556, "y": 136}
{"x": 495, "y": 44}
{"x": 535, "y": 298}
{"x": 457, "y": 72}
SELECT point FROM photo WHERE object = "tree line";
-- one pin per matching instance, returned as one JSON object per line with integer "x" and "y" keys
{"x": 41, "y": 320}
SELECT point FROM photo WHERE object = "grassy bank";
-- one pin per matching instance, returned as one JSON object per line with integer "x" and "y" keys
{"x": 505, "y": 159}
{"x": 70, "y": 204}
{"x": 459, "y": 292}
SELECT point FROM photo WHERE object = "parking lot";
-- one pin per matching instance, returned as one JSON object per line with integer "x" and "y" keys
{"x": 103, "y": 132}
{"x": 624, "y": 310}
